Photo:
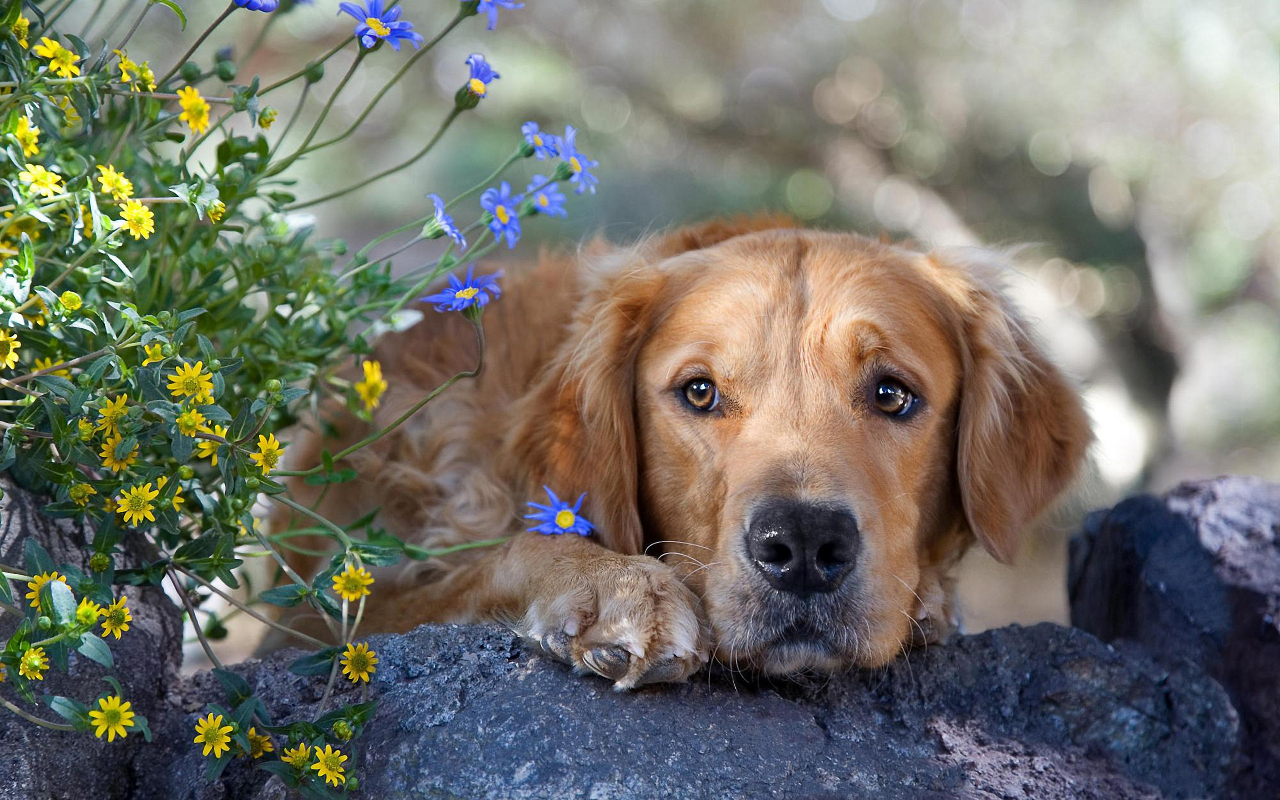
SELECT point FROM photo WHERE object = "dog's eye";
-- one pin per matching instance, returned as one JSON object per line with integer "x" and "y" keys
{"x": 894, "y": 399}
{"x": 702, "y": 394}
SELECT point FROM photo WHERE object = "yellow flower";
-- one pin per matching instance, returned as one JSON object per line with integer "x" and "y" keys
{"x": 259, "y": 743}
{"x": 329, "y": 765}
{"x": 116, "y": 618}
{"x": 195, "y": 110}
{"x": 359, "y": 662}
{"x": 207, "y": 448}
{"x": 24, "y": 224}
{"x": 352, "y": 584}
{"x": 135, "y": 503}
{"x": 45, "y": 363}
{"x": 21, "y": 27}
{"x": 138, "y": 219}
{"x": 9, "y": 345}
{"x": 371, "y": 388}
{"x": 70, "y": 114}
{"x": 108, "y": 453}
{"x": 215, "y": 736}
{"x": 114, "y": 183}
{"x": 114, "y": 719}
{"x": 28, "y": 136}
{"x": 153, "y": 354}
{"x": 190, "y": 381}
{"x": 37, "y": 583}
{"x": 36, "y": 315}
{"x": 190, "y": 421}
{"x": 33, "y": 664}
{"x": 178, "y": 499}
{"x": 110, "y": 414}
{"x": 146, "y": 78}
{"x": 80, "y": 492}
{"x": 70, "y": 300}
{"x": 128, "y": 69}
{"x": 266, "y": 118}
{"x": 268, "y": 455}
{"x": 42, "y": 181}
{"x": 61, "y": 60}
{"x": 87, "y": 612}
{"x": 296, "y": 757}
{"x": 216, "y": 209}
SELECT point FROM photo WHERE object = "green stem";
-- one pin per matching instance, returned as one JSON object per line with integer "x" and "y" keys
{"x": 311, "y": 640}
{"x": 195, "y": 621}
{"x": 43, "y": 723}
{"x": 334, "y": 529}
{"x": 199, "y": 41}
{"x": 324, "y": 112}
{"x": 493, "y": 176}
{"x": 271, "y": 87}
{"x": 136, "y": 23}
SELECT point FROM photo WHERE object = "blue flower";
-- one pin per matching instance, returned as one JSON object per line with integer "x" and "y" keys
{"x": 545, "y": 145}
{"x": 258, "y": 5}
{"x": 490, "y": 7}
{"x": 579, "y": 163}
{"x": 506, "y": 215}
{"x": 481, "y": 75}
{"x": 442, "y": 224}
{"x": 474, "y": 291}
{"x": 549, "y": 199}
{"x": 373, "y": 24}
{"x": 559, "y": 517}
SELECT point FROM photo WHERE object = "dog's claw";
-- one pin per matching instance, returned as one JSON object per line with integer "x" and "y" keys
{"x": 556, "y": 644}
{"x": 608, "y": 662}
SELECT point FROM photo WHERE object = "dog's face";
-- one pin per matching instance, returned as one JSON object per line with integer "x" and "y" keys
{"x": 811, "y": 427}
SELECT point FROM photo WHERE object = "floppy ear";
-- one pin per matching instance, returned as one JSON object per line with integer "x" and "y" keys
{"x": 1022, "y": 430}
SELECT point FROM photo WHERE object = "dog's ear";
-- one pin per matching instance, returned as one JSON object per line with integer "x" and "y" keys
{"x": 579, "y": 418}
{"x": 1022, "y": 430}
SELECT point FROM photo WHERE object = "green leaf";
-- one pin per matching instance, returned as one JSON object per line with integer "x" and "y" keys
{"x": 72, "y": 711}
{"x": 140, "y": 723}
{"x": 318, "y": 663}
{"x": 237, "y": 688}
{"x": 37, "y": 559}
{"x": 377, "y": 556}
{"x": 93, "y": 647}
{"x": 182, "y": 17}
{"x": 285, "y": 596}
{"x": 58, "y": 602}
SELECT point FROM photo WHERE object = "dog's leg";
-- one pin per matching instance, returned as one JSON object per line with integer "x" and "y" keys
{"x": 627, "y": 618}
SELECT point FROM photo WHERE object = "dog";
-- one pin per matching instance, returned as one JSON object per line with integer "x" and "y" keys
{"x": 786, "y": 439}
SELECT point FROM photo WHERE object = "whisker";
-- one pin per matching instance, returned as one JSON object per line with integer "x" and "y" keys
{"x": 674, "y": 541}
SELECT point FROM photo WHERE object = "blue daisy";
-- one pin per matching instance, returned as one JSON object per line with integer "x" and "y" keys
{"x": 545, "y": 145}
{"x": 578, "y": 162}
{"x": 442, "y": 224}
{"x": 376, "y": 23}
{"x": 490, "y": 8}
{"x": 258, "y": 5}
{"x": 549, "y": 199}
{"x": 559, "y": 517}
{"x": 482, "y": 75}
{"x": 460, "y": 294}
{"x": 505, "y": 211}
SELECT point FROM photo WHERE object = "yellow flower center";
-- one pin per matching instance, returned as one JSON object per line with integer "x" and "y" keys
{"x": 359, "y": 662}
{"x": 565, "y": 519}
{"x": 477, "y": 87}
{"x": 577, "y": 165}
{"x": 191, "y": 384}
{"x": 468, "y": 293}
{"x": 501, "y": 213}
{"x": 537, "y": 140}
{"x": 111, "y": 717}
{"x": 543, "y": 201}
{"x": 115, "y": 616}
{"x": 136, "y": 502}
{"x": 377, "y": 26}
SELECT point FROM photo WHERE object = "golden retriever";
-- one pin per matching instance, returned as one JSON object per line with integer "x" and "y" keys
{"x": 786, "y": 439}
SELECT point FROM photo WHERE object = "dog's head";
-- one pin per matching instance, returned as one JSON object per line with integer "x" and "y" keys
{"x": 811, "y": 426}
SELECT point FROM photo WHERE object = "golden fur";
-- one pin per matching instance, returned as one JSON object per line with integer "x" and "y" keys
{"x": 585, "y": 357}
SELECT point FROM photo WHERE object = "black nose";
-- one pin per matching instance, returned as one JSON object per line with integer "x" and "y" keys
{"x": 802, "y": 548}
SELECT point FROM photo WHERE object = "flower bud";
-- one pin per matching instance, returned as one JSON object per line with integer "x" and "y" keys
{"x": 167, "y": 350}
{"x": 190, "y": 72}
{"x": 465, "y": 99}
{"x": 353, "y": 783}
{"x": 339, "y": 247}
{"x": 215, "y": 365}
{"x": 272, "y": 385}
{"x": 237, "y": 504}
{"x": 342, "y": 730}
{"x": 564, "y": 171}
{"x": 469, "y": 8}
{"x": 314, "y": 73}
{"x": 226, "y": 70}
{"x": 82, "y": 380}
{"x": 164, "y": 317}
{"x": 252, "y": 482}
{"x": 100, "y": 562}
{"x": 526, "y": 149}
{"x": 70, "y": 301}
{"x": 44, "y": 623}
{"x": 186, "y": 473}
{"x": 267, "y": 117}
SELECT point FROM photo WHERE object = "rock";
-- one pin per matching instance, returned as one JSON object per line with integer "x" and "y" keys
{"x": 1043, "y": 712}
{"x": 1195, "y": 575}
{"x": 40, "y": 763}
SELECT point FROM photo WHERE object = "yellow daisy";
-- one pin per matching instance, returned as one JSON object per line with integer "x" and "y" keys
{"x": 88, "y": 612}
{"x": 109, "y": 458}
{"x": 28, "y": 136}
{"x": 37, "y": 583}
{"x": 259, "y": 744}
{"x": 215, "y": 736}
{"x": 135, "y": 503}
{"x": 190, "y": 421}
{"x": 110, "y": 414}
{"x": 296, "y": 757}
{"x": 359, "y": 662}
{"x": 371, "y": 388}
{"x": 42, "y": 181}
{"x": 352, "y": 584}
{"x": 146, "y": 78}
{"x": 80, "y": 492}
{"x": 137, "y": 219}
{"x": 116, "y": 618}
{"x": 208, "y": 448}
{"x": 114, "y": 719}
{"x": 33, "y": 664}
{"x": 35, "y": 315}
{"x": 21, "y": 27}
{"x": 190, "y": 381}
{"x": 128, "y": 69}
{"x": 216, "y": 209}
{"x": 178, "y": 499}
{"x": 329, "y": 765}
{"x": 9, "y": 345}
{"x": 45, "y": 363}
{"x": 85, "y": 429}
{"x": 114, "y": 183}
{"x": 61, "y": 60}
{"x": 268, "y": 455}
{"x": 70, "y": 300}
{"x": 195, "y": 109}
{"x": 154, "y": 354}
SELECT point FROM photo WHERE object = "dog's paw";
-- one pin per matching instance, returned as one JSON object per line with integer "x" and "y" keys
{"x": 626, "y": 618}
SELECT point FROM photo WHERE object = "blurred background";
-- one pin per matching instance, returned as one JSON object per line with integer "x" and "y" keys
{"x": 1134, "y": 144}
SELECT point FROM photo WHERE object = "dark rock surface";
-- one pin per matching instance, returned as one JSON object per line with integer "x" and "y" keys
{"x": 1195, "y": 575}
{"x": 39, "y": 763}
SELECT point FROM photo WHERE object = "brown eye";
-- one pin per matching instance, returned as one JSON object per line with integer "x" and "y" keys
{"x": 701, "y": 394}
{"x": 894, "y": 399}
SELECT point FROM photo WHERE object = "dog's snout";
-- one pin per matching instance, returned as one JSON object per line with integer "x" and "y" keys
{"x": 802, "y": 548}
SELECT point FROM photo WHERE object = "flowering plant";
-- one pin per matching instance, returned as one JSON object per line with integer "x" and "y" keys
{"x": 153, "y": 273}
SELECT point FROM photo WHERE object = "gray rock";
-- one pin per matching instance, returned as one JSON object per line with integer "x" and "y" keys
{"x": 1195, "y": 575}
